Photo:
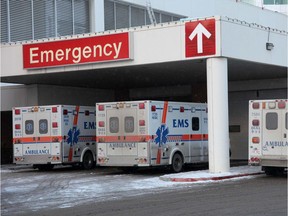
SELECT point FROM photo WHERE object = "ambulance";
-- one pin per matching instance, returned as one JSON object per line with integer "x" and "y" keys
{"x": 44, "y": 136}
{"x": 268, "y": 129}
{"x": 151, "y": 133}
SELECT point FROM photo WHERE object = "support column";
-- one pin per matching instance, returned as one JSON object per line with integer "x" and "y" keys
{"x": 217, "y": 90}
{"x": 96, "y": 8}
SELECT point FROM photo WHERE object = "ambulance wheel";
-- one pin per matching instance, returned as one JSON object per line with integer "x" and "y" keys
{"x": 88, "y": 161}
{"x": 177, "y": 163}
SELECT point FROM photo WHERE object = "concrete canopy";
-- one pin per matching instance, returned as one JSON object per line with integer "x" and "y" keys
{"x": 151, "y": 75}
{"x": 158, "y": 58}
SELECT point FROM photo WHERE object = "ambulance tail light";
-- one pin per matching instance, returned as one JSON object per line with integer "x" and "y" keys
{"x": 254, "y": 159}
{"x": 281, "y": 104}
{"x": 101, "y": 124}
{"x": 100, "y": 107}
{"x": 181, "y": 109}
{"x": 255, "y": 140}
{"x": 54, "y": 110}
{"x": 255, "y": 122}
{"x": 256, "y": 105}
{"x": 17, "y": 111}
{"x": 65, "y": 112}
{"x": 142, "y": 106}
{"x": 54, "y": 124}
{"x": 153, "y": 108}
{"x": 17, "y": 126}
{"x": 141, "y": 122}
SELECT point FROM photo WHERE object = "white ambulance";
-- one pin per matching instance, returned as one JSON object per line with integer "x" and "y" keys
{"x": 151, "y": 133}
{"x": 58, "y": 134}
{"x": 268, "y": 130}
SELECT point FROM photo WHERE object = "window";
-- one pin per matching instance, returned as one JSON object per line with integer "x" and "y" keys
{"x": 43, "y": 126}
{"x": 271, "y": 121}
{"x": 64, "y": 18}
{"x": 29, "y": 127}
{"x": 20, "y": 20}
{"x": 276, "y": 2}
{"x": 137, "y": 16}
{"x": 129, "y": 124}
{"x": 34, "y": 19}
{"x": 114, "y": 125}
{"x": 195, "y": 124}
{"x": 122, "y": 16}
{"x": 81, "y": 16}
{"x": 118, "y": 14}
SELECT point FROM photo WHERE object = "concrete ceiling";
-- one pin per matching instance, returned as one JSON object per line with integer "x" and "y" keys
{"x": 161, "y": 74}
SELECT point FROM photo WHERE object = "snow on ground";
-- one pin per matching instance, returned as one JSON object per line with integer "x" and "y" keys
{"x": 34, "y": 190}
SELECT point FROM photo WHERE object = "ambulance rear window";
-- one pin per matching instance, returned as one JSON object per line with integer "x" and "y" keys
{"x": 29, "y": 127}
{"x": 195, "y": 124}
{"x": 43, "y": 126}
{"x": 271, "y": 121}
{"x": 114, "y": 125}
{"x": 129, "y": 124}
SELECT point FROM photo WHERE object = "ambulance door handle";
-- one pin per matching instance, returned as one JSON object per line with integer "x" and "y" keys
{"x": 285, "y": 135}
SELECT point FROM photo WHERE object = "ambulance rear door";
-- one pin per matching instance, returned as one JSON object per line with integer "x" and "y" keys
{"x": 37, "y": 128}
{"x": 274, "y": 138}
{"x": 122, "y": 123}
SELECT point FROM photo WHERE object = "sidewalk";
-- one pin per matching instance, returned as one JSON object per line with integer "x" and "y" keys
{"x": 204, "y": 175}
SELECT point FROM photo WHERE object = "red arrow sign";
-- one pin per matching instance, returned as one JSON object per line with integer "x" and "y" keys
{"x": 200, "y": 39}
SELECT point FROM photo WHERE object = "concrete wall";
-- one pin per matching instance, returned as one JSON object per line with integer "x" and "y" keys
{"x": 247, "y": 41}
{"x": 17, "y": 96}
{"x": 240, "y": 93}
{"x": 72, "y": 95}
{"x": 32, "y": 95}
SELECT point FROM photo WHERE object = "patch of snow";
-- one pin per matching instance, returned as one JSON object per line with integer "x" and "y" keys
{"x": 206, "y": 174}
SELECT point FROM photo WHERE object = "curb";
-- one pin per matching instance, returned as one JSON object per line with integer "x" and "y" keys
{"x": 16, "y": 167}
{"x": 219, "y": 178}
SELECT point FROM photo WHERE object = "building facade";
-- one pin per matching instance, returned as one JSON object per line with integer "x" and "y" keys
{"x": 55, "y": 18}
{"x": 158, "y": 67}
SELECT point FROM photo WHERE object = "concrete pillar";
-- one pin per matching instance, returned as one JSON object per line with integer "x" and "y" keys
{"x": 217, "y": 90}
{"x": 96, "y": 8}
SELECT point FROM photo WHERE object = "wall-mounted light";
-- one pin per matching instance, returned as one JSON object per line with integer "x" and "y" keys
{"x": 269, "y": 46}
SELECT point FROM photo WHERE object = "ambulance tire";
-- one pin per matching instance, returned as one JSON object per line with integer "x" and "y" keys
{"x": 274, "y": 171}
{"x": 177, "y": 163}
{"x": 88, "y": 161}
